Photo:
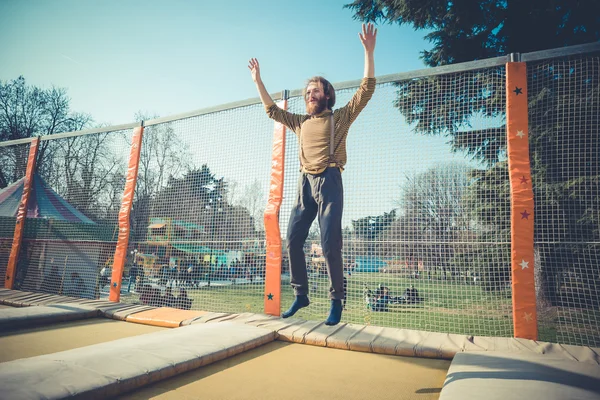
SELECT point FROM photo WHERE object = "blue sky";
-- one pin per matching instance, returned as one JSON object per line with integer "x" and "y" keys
{"x": 117, "y": 58}
{"x": 166, "y": 57}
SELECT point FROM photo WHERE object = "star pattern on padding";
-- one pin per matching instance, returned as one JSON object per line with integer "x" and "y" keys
{"x": 518, "y": 90}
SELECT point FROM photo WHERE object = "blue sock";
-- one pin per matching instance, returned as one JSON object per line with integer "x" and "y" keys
{"x": 300, "y": 302}
{"x": 335, "y": 313}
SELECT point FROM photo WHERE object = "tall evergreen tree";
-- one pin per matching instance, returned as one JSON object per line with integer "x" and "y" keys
{"x": 564, "y": 120}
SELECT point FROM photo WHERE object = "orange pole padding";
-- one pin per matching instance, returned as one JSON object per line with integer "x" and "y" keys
{"x": 273, "y": 235}
{"x": 13, "y": 259}
{"x": 124, "y": 213}
{"x": 521, "y": 193}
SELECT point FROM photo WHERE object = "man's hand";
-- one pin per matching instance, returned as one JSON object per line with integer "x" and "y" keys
{"x": 254, "y": 69}
{"x": 367, "y": 37}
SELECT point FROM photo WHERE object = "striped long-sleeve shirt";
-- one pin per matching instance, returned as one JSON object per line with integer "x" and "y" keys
{"x": 314, "y": 131}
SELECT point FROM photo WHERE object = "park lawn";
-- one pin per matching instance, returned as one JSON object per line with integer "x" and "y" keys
{"x": 447, "y": 307}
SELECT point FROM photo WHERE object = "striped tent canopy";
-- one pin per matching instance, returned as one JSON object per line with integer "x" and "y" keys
{"x": 43, "y": 203}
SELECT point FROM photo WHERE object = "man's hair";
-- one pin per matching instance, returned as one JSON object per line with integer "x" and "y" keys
{"x": 328, "y": 89}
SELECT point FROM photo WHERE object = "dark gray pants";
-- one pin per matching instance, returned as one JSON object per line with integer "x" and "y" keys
{"x": 321, "y": 195}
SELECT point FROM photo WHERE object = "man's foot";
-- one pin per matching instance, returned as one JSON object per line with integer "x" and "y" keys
{"x": 335, "y": 313}
{"x": 300, "y": 302}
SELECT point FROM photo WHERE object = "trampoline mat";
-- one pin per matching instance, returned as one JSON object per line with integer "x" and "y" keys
{"x": 282, "y": 370}
{"x": 62, "y": 336}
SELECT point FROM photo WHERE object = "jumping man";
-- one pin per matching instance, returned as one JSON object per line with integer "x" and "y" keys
{"x": 322, "y": 136}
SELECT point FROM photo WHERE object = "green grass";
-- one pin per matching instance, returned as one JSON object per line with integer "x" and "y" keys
{"x": 448, "y": 306}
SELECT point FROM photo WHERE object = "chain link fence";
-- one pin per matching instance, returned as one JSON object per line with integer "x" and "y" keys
{"x": 197, "y": 237}
{"x": 564, "y": 115}
{"x": 426, "y": 243}
{"x": 426, "y": 224}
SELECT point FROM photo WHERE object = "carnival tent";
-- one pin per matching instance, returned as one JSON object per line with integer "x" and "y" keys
{"x": 44, "y": 202}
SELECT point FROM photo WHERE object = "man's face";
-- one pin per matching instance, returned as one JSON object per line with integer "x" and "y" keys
{"x": 315, "y": 98}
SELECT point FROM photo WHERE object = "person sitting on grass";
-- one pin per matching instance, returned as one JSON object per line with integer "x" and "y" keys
{"x": 169, "y": 300}
{"x": 411, "y": 295}
{"x": 183, "y": 301}
{"x": 381, "y": 299}
{"x": 150, "y": 296}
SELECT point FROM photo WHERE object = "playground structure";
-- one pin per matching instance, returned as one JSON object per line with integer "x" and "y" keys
{"x": 480, "y": 271}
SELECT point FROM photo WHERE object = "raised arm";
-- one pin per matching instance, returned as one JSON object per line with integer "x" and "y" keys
{"x": 368, "y": 38}
{"x": 254, "y": 68}
{"x": 292, "y": 121}
{"x": 366, "y": 89}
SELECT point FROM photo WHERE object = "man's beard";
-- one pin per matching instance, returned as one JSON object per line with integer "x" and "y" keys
{"x": 318, "y": 107}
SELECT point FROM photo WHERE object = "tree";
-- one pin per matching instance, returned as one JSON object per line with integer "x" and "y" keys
{"x": 564, "y": 151}
{"x": 252, "y": 198}
{"x": 469, "y": 30}
{"x": 188, "y": 197}
{"x": 86, "y": 171}
{"x": 163, "y": 157}
{"x": 433, "y": 216}
{"x": 75, "y": 122}
{"x": 406, "y": 239}
{"x": 368, "y": 231}
{"x": 82, "y": 169}
{"x": 488, "y": 203}
{"x": 27, "y": 111}
{"x": 198, "y": 197}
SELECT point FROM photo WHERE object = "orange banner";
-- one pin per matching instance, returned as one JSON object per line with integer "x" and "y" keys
{"x": 522, "y": 213}
{"x": 124, "y": 214}
{"x": 274, "y": 256}
{"x": 11, "y": 268}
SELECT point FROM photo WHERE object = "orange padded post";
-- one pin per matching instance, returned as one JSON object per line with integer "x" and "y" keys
{"x": 523, "y": 284}
{"x": 274, "y": 256}
{"x": 11, "y": 268}
{"x": 124, "y": 213}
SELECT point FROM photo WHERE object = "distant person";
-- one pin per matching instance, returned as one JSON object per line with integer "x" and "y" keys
{"x": 188, "y": 274}
{"x": 169, "y": 300}
{"x": 141, "y": 276}
{"x": 411, "y": 295}
{"x": 196, "y": 275}
{"x": 381, "y": 298}
{"x": 183, "y": 301}
{"x": 173, "y": 275}
{"x": 133, "y": 273}
{"x": 105, "y": 276}
{"x": 322, "y": 136}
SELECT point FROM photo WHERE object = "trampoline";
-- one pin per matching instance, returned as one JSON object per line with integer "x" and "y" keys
{"x": 57, "y": 347}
